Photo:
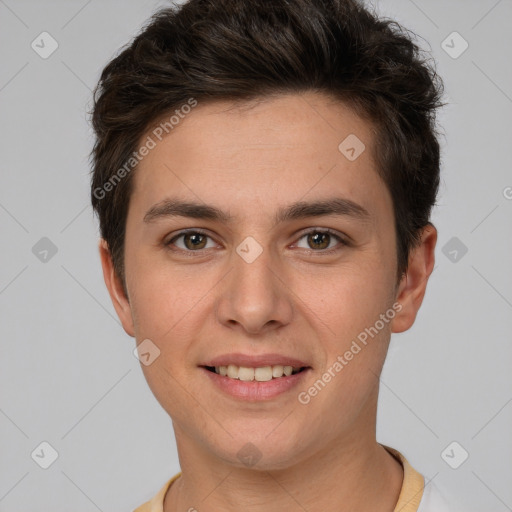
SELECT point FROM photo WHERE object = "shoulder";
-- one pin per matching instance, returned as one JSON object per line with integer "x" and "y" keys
{"x": 420, "y": 495}
{"x": 436, "y": 499}
{"x": 156, "y": 504}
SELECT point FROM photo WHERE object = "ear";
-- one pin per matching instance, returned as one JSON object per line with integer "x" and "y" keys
{"x": 115, "y": 289}
{"x": 413, "y": 285}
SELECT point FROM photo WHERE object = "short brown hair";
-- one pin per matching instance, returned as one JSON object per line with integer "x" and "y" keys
{"x": 239, "y": 50}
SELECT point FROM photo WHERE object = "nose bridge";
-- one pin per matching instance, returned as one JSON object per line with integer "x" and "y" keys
{"x": 256, "y": 295}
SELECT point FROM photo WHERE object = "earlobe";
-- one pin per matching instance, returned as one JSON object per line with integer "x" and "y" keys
{"x": 115, "y": 289}
{"x": 414, "y": 283}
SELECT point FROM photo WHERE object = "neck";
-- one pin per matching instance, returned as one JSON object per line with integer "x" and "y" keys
{"x": 357, "y": 474}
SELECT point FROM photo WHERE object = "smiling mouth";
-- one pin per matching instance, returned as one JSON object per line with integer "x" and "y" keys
{"x": 260, "y": 374}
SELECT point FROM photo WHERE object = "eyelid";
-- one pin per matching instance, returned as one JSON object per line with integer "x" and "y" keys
{"x": 199, "y": 231}
{"x": 342, "y": 239}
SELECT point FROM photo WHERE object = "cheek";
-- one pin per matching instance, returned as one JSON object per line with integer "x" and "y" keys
{"x": 355, "y": 344}
{"x": 163, "y": 312}
{"x": 161, "y": 295}
{"x": 347, "y": 300}
{"x": 356, "y": 340}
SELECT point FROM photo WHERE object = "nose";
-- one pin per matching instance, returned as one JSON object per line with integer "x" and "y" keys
{"x": 254, "y": 297}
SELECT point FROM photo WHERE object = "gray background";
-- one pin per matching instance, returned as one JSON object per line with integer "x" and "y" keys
{"x": 67, "y": 372}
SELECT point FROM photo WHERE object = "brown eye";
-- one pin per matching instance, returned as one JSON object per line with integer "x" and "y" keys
{"x": 319, "y": 241}
{"x": 192, "y": 241}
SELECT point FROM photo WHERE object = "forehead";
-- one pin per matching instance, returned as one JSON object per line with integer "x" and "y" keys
{"x": 297, "y": 122}
{"x": 266, "y": 151}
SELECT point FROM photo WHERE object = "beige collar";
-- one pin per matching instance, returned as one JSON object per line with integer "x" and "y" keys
{"x": 408, "y": 500}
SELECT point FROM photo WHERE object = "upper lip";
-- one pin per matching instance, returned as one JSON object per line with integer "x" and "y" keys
{"x": 255, "y": 361}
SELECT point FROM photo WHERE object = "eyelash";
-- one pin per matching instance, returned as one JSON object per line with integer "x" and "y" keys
{"x": 198, "y": 231}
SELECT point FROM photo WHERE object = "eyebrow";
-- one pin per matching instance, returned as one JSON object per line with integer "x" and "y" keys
{"x": 172, "y": 207}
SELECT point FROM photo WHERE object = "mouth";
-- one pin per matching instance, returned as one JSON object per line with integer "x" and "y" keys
{"x": 258, "y": 374}
{"x": 256, "y": 384}
{"x": 255, "y": 377}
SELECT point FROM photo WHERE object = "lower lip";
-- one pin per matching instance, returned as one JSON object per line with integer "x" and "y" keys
{"x": 254, "y": 390}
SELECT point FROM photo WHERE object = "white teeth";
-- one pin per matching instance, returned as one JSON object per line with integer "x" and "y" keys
{"x": 261, "y": 374}
{"x": 232, "y": 371}
{"x": 245, "y": 373}
{"x": 277, "y": 370}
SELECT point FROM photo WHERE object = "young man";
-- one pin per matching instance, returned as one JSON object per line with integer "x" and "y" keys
{"x": 264, "y": 174}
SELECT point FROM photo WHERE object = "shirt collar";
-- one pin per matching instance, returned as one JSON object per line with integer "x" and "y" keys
{"x": 408, "y": 500}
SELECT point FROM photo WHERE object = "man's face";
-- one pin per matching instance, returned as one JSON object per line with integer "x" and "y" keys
{"x": 255, "y": 287}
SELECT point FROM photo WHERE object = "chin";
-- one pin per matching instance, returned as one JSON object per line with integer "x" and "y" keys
{"x": 263, "y": 451}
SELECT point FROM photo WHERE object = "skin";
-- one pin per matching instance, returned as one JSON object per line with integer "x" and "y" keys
{"x": 293, "y": 300}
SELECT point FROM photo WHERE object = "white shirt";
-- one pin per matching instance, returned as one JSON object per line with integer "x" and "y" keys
{"x": 436, "y": 500}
